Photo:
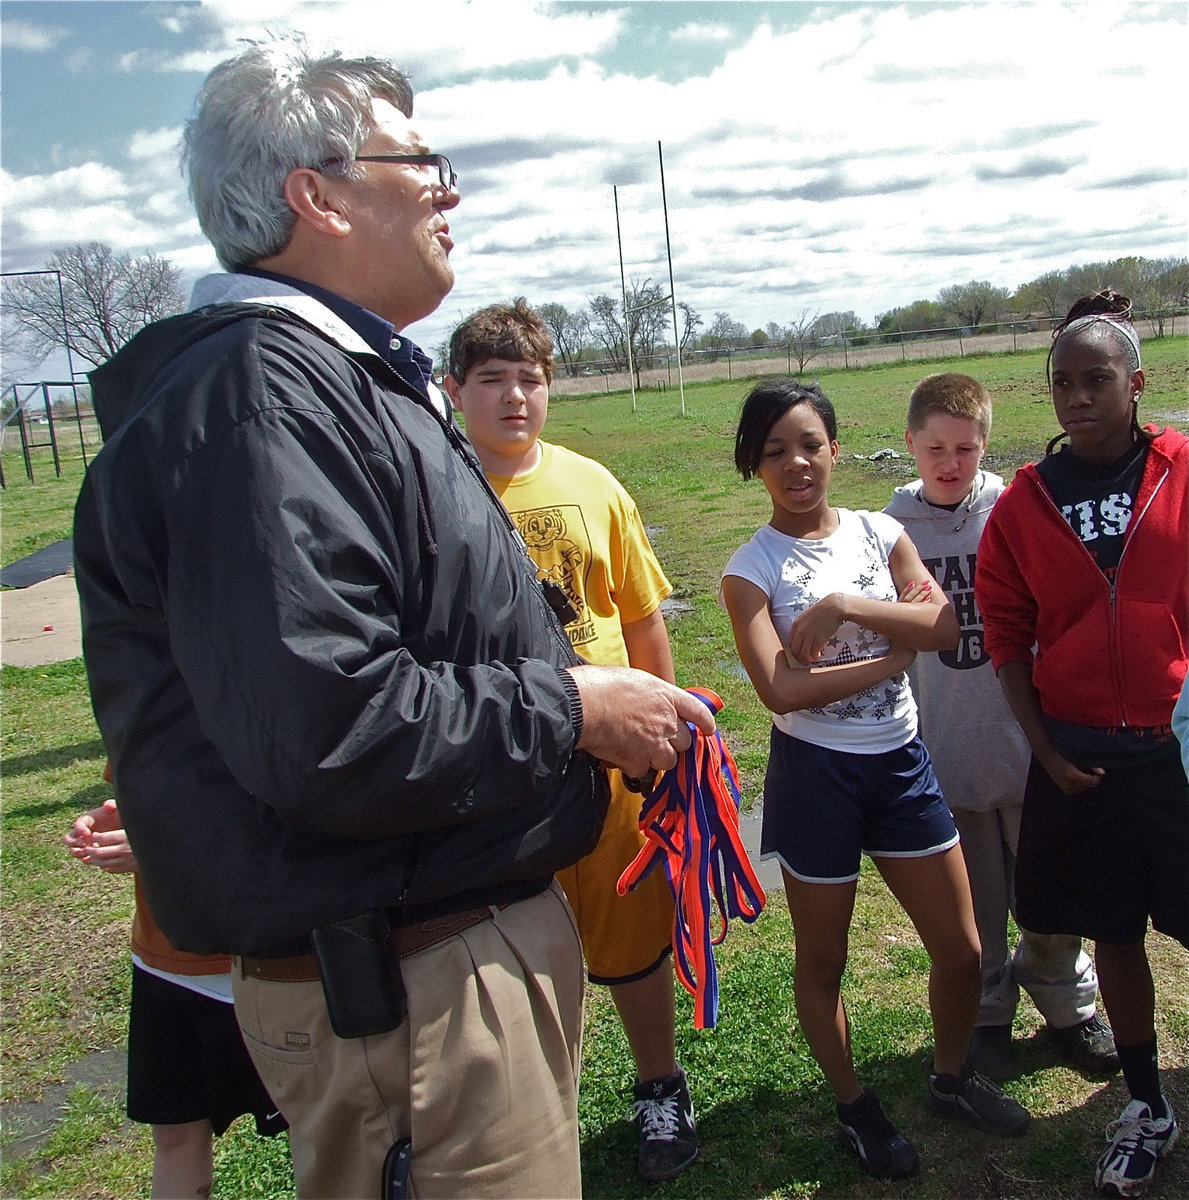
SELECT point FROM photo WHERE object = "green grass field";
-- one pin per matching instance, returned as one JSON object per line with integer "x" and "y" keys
{"x": 765, "y": 1116}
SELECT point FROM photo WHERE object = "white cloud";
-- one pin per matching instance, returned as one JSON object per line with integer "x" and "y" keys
{"x": 194, "y": 258}
{"x": 470, "y": 35}
{"x": 175, "y": 18}
{"x": 79, "y": 60}
{"x": 84, "y": 184}
{"x": 30, "y": 36}
{"x": 696, "y": 31}
{"x": 137, "y": 212}
{"x": 155, "y": 143}
{"x": 108, "y": 222}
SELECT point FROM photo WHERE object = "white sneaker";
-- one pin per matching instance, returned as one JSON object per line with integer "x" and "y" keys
{"x": 1138, "y": 1141}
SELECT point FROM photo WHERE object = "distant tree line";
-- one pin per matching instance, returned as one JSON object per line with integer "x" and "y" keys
{"x": 1158, "y": 287}
{"x": 108, "y": 297}
{"x": 601, "y": 332}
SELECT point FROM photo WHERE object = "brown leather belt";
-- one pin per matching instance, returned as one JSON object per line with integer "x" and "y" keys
{"x": 406, "y": 940}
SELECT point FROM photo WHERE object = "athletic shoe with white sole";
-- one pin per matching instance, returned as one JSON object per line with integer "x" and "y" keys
{"x": 1137, "y": 1142}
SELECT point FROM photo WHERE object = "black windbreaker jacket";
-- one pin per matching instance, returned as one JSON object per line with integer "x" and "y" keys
{"x": 320, "y": 661}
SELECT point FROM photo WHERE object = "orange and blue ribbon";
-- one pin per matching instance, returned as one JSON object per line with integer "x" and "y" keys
{"x": 691, "y": 823}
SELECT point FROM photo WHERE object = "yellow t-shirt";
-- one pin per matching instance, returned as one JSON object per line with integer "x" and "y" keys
{"x": 584, "y": 533}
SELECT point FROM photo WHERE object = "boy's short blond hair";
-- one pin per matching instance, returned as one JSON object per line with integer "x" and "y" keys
{"x": 951, "y": 395}
{"x": 513, "y": 332}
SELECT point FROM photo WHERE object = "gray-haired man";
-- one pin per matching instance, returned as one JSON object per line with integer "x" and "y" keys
{"x": 334, "y": 695}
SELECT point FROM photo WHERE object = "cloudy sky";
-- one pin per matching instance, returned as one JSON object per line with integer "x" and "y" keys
{"x": 820, "y": 156}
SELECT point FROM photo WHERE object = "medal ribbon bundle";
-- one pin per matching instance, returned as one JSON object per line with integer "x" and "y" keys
{"x": 691, "y": 822}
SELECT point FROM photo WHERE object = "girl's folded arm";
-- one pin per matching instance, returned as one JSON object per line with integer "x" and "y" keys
{"x": 928, "y": 622}
{"x": 784, "y": 688}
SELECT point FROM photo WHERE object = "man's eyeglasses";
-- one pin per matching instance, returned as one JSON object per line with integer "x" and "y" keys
{"x": 446, "y": 173}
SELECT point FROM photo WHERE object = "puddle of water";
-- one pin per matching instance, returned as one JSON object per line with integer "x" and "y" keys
{"x": 732, "y": 667}
{"x": 673, "y": 607}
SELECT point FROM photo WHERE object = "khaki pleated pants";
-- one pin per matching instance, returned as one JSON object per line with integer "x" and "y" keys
{"x": 483, "y": 1075}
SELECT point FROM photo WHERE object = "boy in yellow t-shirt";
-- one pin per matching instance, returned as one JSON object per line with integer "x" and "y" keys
{"x": 584, "y": 533}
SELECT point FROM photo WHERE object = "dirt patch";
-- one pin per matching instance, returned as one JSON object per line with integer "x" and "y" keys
{"x": 30, "y": 1123}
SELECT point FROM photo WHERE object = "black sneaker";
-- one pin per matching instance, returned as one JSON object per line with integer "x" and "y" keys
{"x": 1138, "y": 1141}
{"x": 976, "y": 1098}
{"x": 664, "y": 1115}
{"x": 1089, "y": 1047}
{"x": 990, "y": 1051}
{"x": 882, "y": 1149}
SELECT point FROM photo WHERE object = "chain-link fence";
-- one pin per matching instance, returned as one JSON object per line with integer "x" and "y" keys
{"x": 848, "y": 351}
{"x": 48, "y": 422}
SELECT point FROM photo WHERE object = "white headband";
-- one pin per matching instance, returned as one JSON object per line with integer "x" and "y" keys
{"x": 1124, "y": 327}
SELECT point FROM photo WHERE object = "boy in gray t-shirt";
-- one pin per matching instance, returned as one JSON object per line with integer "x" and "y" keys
{"x": 979, "y": 754}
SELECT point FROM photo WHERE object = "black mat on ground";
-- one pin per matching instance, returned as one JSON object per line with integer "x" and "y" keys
{"x": 44, "y": 564}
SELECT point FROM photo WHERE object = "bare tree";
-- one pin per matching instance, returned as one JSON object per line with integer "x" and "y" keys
{"x": 1046, "y": 293}
{"x": 691, "y": 322}
{"x": 649, "y": 305}
{"x": 108, "y": 298}
{"x": 644, "y": 322}
{"x": 1164, "y": 289}
{"x": 606, "y": 323}
{"x": 723, "y": 334}
{"x": 1084, "y": 279}
{"x": 804, "y": 344}
{"x": 1158, "y": 287}
{"x": 570, "y": 332}
{"x": 969, "y": 303}
{"x": 836, "y": 324}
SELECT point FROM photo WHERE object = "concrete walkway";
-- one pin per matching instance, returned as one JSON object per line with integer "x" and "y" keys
{"x": 40, "y": 623}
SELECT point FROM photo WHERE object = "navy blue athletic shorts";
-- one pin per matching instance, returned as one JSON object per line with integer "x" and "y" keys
{"x": 824, "y": 808}
{"x": 1101, "y": 863}
{"x": 187, "y": 1060}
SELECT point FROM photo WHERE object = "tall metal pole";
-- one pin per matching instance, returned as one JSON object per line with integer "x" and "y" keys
{"x": 627, "y": 317}
{"x": 672, "y": 294}
{"x": 82, "y": 441}
{"x": 65, "y": 327}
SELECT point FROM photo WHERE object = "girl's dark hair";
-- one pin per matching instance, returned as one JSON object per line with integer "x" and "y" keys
{"x": 1104, "y": 303}
{"x": 763, "y": 406}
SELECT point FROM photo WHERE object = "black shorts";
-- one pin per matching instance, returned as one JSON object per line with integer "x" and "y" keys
{"x": 187, "y": 1061}
{"x": 824, "y": 808}
{"x": 1101, "y": 863}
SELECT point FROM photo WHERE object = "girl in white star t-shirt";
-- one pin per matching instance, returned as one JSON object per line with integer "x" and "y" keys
{"x": 828, "y": 608}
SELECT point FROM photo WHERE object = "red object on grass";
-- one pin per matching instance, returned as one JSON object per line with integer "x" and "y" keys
{"x": 691, "y": 821}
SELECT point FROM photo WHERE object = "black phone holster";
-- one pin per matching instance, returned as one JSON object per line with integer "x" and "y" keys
{"x": 361, "y": 977}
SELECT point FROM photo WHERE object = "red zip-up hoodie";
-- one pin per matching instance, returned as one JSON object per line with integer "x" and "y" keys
{"x": 1108, "y": 654}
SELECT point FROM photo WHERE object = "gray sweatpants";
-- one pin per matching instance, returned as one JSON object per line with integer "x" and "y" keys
{"x": 1053, "y": 969}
